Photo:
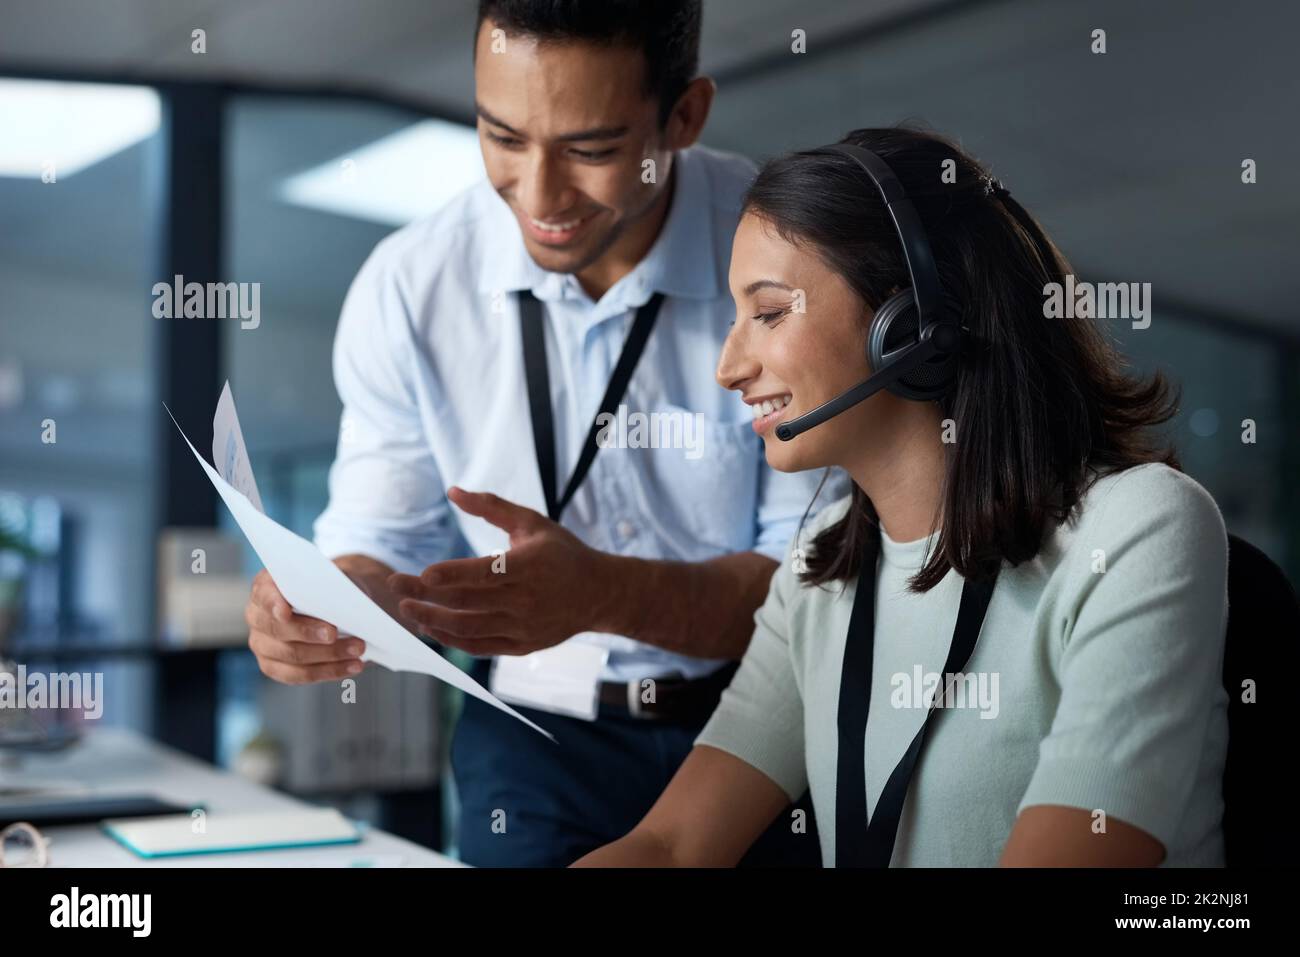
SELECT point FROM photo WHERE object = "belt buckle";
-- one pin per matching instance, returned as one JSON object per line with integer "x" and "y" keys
{"x": 634, "y": 707}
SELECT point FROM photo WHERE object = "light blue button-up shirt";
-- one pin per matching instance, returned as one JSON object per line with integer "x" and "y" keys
{"x": 428, "y": 362}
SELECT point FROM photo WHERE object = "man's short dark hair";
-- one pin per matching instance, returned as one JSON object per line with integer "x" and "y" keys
{"x": 667, "y": 32}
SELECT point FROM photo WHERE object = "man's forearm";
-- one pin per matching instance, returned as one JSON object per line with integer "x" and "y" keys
{"x": 702, "y": 609}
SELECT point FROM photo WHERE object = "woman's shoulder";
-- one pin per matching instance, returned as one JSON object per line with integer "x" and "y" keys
{"x": 1155, "y": 504}
{"x": 1150, "y": 487}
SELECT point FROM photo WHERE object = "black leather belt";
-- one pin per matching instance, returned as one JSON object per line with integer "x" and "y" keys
{"x": 672, "y": 698}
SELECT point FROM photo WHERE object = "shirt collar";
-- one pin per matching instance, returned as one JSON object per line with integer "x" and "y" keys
{"x": 682, "y": 262}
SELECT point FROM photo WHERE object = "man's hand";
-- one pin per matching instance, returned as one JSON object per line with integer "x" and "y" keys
{"x": 295, "y": 649}
{"x": 546, "y": 588}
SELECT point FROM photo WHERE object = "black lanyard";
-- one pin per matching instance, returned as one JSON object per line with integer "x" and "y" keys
{"x": 859, "y": 843}
{"x": 539, "y": 393}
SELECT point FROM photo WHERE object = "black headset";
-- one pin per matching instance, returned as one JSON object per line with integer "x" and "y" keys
{"x": 916, "y": 334}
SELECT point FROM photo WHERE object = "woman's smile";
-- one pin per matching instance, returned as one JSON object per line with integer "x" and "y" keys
{"x": 767, "y": 410}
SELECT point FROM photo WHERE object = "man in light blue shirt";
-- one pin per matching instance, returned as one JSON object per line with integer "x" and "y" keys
{"x": 617, "y": 625}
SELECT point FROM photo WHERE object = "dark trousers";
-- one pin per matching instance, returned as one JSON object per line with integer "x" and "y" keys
{"x": 525, "y": 802}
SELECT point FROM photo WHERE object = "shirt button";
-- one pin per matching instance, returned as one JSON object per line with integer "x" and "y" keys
{"x": 626, "y": 529}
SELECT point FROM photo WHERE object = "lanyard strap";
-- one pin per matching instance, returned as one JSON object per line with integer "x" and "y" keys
{"x": 539, "y": 393}
{"x": 859, "y": 842}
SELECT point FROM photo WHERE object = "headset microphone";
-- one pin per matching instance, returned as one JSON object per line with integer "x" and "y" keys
{"x": 935, "y": 341}
{"x": 915, "y": 335}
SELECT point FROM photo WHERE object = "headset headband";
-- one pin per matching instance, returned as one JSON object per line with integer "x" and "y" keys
{"x": 926, "y": 288}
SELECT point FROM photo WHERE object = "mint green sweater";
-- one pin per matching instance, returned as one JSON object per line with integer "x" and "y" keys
{"x": 1096, "y": 682}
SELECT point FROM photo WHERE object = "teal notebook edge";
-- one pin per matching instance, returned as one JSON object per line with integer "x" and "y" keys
{"x": 108, "y": 829}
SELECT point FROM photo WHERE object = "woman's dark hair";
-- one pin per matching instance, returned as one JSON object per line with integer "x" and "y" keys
{"x": 667, "y": 32}
{"x": 1042, "y": 406}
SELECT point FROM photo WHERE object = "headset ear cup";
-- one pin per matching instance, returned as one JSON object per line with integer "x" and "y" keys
{"x": 893, "y": 328}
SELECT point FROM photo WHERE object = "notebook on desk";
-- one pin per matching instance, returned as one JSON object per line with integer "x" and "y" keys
{"x": 217, "y": 833}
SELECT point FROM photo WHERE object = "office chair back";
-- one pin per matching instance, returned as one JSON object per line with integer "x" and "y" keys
{"x": 1262, "y": 646}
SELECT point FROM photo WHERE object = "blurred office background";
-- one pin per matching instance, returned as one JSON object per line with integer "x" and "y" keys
{"x": 310, "y": 129}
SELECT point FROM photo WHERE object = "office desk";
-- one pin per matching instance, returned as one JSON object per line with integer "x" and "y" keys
{"x": 111, "y": 760}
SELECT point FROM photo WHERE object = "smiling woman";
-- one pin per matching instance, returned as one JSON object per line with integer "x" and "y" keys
{"x": 1015, "y": 482}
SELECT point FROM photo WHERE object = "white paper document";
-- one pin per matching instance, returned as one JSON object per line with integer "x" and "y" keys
{"x": 315, "y": 586}
{"x": 229, "y": 454}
